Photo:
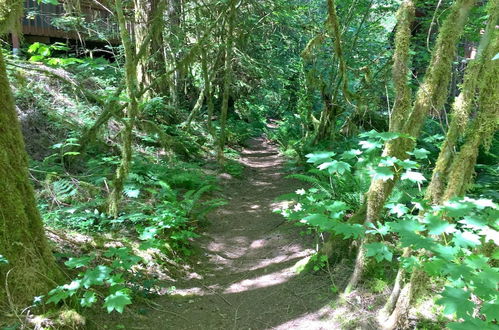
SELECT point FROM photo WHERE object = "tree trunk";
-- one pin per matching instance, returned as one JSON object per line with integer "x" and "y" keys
{"x": 130, "y": 116}
{"x": 460, "y": 112}
{"x": 148, "y": 30}
{"x": 31, "y": 270}
{"x": 227, "y": 80}
{"x": 432, "y": 93}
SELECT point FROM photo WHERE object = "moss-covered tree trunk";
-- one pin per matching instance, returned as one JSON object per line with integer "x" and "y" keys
{"x": 461, "y": 109}
{"x": 130, "y": 116}
{"x": 227, "y": 80}
{"x": 327, "y": 125}
{"x": 31, "y": 268}
{"x": 432, "y": 93}
{"x": 148, "y": 32}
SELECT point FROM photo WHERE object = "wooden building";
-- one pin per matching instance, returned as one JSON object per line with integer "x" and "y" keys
{"x": 39, "y": 22}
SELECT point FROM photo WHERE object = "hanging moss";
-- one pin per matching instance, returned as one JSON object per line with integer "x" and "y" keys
{"x": 400, "y": 69}
{"x": 461, "y": 109}
{"x": 481, "y": 130}
{"x": 131, "y": 113}
{"x": 433, "y": 91}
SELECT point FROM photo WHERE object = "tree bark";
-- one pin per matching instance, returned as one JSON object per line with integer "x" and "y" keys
{"x": 433, "y": 92}
{"x": 227, "y": 80}
{"x": 130, "y": 116}
{"x": 31, "y": 270}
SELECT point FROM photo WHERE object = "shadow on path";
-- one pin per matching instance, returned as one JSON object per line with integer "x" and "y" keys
{"x": 246, "y": 278}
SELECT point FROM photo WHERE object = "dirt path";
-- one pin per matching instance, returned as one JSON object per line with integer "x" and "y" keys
{"x": 247, "y": 277}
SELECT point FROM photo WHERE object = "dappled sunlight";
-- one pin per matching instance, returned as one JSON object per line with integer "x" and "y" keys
{"x": 262, "y": 281}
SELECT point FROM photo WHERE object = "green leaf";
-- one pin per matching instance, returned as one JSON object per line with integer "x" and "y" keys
{"x": 319, "y": 220}
{"x": 456, "y": 301}
{"x": 370, "y": 145}
{"x": 96, "y": 276}
{"x": 457, "y": 208}
{"x": 56, "y": 295}
{"x": 491, "y": 311}
{"x": 149, "y": 233}
{"x": 335, "y": 167}
{"x": 88, "y": 299}
{"x": 419, "y": 153}
{"x": 472, "y": 324}
{"x": 117, "y": 301}
{"x": 446, "y": 252}
{"x": 131, "y": 192}
{"x": 319, "y": 157}
{"x": 413, "y": 176}
{"x": 437, "y": 226}
{"x": 407, "y": 225}
{"x": 407, "y": 164}
{"x": 379, "y": 251}
{"x": 382, "y": 229}
{"x": 34, "y": 47}
{"x": 383, "y": 173}
{"x": 388, "y": 161}
{"x": 398, "y": 209}
{"x": 349, "y": 230}
{"x": 466, "y": 239}
{"x": 79, "y": 262}
{"x": 351, "y": 154}
{"x": 337, "y": 206}
{"x": 50, "y": 2}
{"x": 3, "y": 260}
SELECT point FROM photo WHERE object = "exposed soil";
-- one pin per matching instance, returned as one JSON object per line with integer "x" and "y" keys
{"x": 247, "y": 277}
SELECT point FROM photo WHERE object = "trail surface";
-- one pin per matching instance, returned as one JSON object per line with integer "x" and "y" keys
{"x": 246, "y": 278}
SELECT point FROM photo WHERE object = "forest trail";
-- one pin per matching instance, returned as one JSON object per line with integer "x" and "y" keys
{"x": 246, "y": 278}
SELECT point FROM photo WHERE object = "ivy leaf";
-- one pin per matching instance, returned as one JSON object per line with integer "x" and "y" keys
{"x": 437, "y": 226}
{"x": 88, "y": 299}
{"x": 117, "y": 301}
{"x": 319, "y": 157}
{"x": 379, "y": 251}
{"x": 383, "y": 173}
{"x": 456, "y": 300}
{"x": 413, "y": 177}
{"x": 79, "y": 262}
{"x": 419, "y": 153}
{"x": 398, "y": 209}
